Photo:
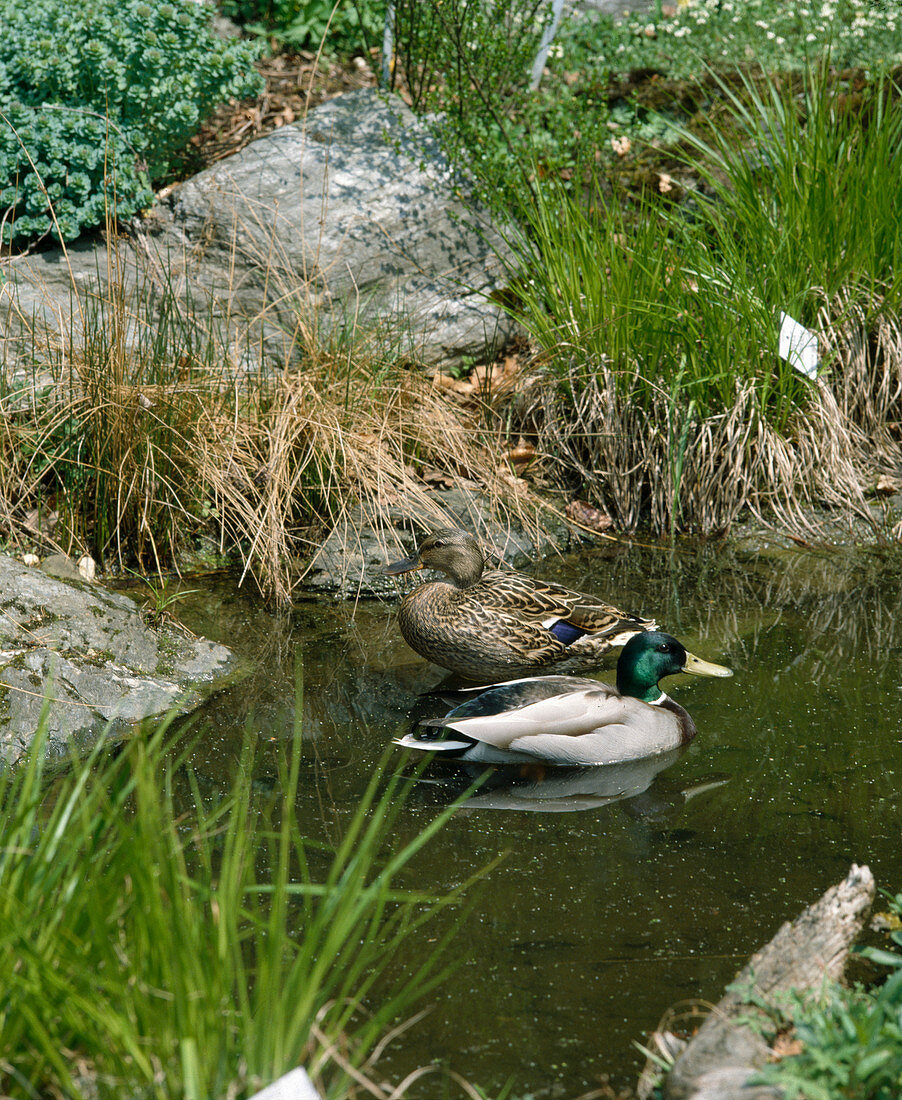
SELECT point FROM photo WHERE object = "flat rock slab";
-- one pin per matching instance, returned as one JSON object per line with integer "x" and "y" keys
{"x": 88, "y": 656}
{"x": 350, "y": 560}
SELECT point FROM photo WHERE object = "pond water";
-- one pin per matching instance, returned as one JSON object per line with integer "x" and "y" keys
{"x": 603, "y": 914}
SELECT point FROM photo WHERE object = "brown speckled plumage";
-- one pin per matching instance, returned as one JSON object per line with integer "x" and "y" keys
{"x": 494, "y": 625}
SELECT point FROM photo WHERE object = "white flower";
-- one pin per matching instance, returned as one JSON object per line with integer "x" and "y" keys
{"x": 621, "y": 145}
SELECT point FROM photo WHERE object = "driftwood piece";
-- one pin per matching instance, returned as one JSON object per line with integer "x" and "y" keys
{"x": 724, "y": 1054}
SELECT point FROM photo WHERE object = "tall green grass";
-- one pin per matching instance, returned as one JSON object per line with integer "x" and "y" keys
{"x": 801, "y": 188}
{"x": 160, "y": 941}
{"x": 613, "y": 289}
{"x": 662, "y": 393}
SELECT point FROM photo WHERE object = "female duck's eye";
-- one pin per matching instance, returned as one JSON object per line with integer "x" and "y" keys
{"x": 438, "y": 544}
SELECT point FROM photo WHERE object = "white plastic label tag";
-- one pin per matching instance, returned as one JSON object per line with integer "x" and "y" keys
{"x": 798, "y": 346}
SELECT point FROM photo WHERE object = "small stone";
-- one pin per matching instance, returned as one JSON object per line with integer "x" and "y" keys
{"x": 87, "y": 568}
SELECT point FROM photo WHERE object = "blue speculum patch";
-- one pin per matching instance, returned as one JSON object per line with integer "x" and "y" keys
{"x": 566, "y": 632}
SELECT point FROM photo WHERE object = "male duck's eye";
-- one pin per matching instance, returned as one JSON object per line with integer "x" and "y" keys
{"x": 664, "y": 647}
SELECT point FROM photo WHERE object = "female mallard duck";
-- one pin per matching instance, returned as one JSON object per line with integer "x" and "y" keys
{"x": 568, "y": 720}
{"x": 493, "y": 624}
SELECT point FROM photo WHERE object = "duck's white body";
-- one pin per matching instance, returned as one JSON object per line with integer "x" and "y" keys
{"x": 568, "y": 720}
{"x": 564, "y": 720}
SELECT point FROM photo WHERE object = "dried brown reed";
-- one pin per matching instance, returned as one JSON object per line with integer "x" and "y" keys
{"x": 318, "y": 443}
{"x": 641, "y": 457}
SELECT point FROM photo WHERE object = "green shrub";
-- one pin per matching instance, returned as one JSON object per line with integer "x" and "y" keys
{"x": 60, "y": 157}
{"x": 96, "y": 99}
{"x": 345, "y": 27}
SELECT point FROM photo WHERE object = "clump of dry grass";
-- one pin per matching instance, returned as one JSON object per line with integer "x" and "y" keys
{"x": 317, "y": 442}
{"x": 865, "y": 350}
{"x": 135, "y": 450}
{"x": 638, "y": 454}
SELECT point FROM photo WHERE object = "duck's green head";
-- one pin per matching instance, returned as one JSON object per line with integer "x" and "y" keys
{"x": 650, "y": 656}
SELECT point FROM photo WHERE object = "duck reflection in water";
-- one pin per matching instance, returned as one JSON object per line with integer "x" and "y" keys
{"x": 535, "y": 787}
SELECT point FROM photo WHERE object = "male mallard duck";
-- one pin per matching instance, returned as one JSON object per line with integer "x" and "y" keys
{"x": 569, "y": 720}
{"x": 494, "y": 624}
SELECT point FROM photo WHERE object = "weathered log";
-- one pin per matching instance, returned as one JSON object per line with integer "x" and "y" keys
{"x": 723, "y": 1055}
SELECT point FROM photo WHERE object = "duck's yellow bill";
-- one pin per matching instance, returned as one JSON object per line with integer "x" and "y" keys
{"x": 695, "y": 666}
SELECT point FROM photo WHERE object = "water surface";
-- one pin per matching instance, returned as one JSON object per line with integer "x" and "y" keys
{"x": 604, "y": 914}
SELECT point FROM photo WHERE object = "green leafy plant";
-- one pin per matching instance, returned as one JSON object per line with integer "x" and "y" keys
{"x": 341, "y": 26}
{"x": 161, "y": 939}
{"x": 851, "y": 1039}
{"x": 96, "y": 99}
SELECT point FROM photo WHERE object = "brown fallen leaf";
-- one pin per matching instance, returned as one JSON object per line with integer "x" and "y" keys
{"x": 42, "y": 520}
{"x": 785, "y": 1045}
{"x": 521, "y": 454}
{"x": 462, "y": 387}
{"x": 484, "y": 380}
{"x": 887, "y": 484}
{"x": 587, "y": 515}
{"x": 437, "y": 478}
{"x": 886, "y": 922}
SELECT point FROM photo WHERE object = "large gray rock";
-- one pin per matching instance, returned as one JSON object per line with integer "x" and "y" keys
{"x": 352, "y": 215}
{"x": 90, "y": 658}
